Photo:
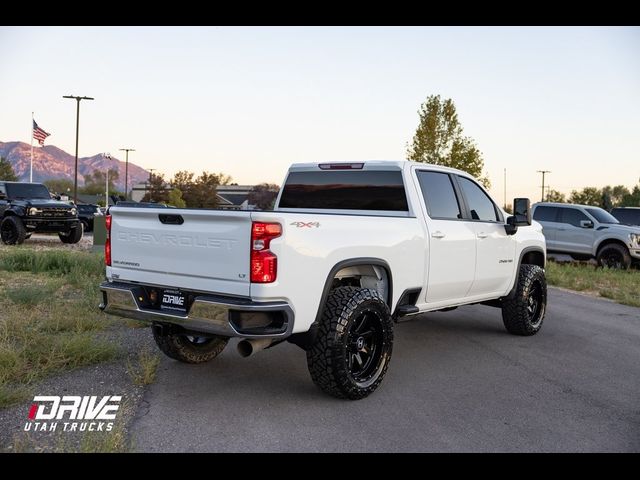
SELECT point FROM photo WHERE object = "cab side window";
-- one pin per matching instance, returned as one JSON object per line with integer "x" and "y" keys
{"x": 480, "y": 205}
{"x": 572, "y": 216}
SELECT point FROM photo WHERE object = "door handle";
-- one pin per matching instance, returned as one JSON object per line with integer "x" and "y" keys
{"x": 438, "y": 234}
{"x": 482, "y": 235}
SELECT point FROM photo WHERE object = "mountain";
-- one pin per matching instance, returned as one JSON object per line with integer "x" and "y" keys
{"x": 52, "y": 162}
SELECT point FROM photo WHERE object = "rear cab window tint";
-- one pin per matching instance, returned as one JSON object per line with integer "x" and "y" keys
{"x": 380, "y": 190}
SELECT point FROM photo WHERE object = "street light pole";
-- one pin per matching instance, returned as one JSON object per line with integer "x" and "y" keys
{"x": 126, "y": 171}
{"x": 75, "y": 175}
{"x": 151, "y": 170}
{"x": 543, "y": 172}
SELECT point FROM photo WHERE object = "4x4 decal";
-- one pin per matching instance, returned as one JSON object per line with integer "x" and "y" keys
{"x": 306, "y": 224}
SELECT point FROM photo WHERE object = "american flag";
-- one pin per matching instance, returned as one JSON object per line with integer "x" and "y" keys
{"x": 39, "y": 134}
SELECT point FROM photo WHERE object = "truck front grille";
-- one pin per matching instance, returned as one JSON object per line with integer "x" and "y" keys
{"x": 55, "y": 212}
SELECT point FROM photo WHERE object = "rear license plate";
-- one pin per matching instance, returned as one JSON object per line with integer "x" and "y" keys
{"x": 174, "y": 300}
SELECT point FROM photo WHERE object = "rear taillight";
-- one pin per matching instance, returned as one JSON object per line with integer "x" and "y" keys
{"x": 264, "y": 264}
{"x": 107, "y": 243}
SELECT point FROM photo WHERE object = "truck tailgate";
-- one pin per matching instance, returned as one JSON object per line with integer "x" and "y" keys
{"x": 206, "y": 250}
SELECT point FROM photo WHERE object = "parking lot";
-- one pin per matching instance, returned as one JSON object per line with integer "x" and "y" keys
{"x": 457, "y": 382}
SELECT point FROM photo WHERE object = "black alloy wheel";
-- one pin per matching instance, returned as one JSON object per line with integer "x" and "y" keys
{"x": 365, "y": 342}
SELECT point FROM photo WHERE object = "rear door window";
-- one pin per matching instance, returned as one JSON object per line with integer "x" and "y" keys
{"x": 545, "y": 214}
{"x": 572, "y": 216}
{"x": 439, "y": 195}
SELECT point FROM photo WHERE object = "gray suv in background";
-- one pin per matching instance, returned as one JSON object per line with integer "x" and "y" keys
{"x": 586, "y": 232}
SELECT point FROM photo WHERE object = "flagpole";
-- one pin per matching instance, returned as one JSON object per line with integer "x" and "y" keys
{"x": 31, "y": 165}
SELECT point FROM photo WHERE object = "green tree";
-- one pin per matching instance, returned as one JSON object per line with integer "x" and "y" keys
{"x": 184, "y": 181}
{"x": 200, "y": 192}
{"x": 439, "y": 139}
{"x": 175, "y": 198}
{"x": 6, "y": 171}
{"x": 156, "y": 190}
{"x": 556, "y": 196}
{"x": 632, "y": 199}
{"x": 613, "y": 196}
{"x": 263, "y": 195}
{"x": 95, "y": 182}
{"x": 204, "y": 192}
{"x": 586, "y": 196}
{"x": 61, "y": 186}
{"x": 224, "y": 179}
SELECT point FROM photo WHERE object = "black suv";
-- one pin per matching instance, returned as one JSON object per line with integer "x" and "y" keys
{"x": 26, "y": 208}
{"x": 86, "y": 212}
{"x": 627, "y": 215}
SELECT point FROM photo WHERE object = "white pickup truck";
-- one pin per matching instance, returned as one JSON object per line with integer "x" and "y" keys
{"x": 348, "y": 249}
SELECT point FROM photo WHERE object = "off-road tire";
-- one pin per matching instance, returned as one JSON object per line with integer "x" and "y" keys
{"x": 531, "y": 293}
{"x": 617, "y": 252}
{"x": 74, "y": 236}
{"x": 346, "y": 309}
{"x": 12, "y": 230}
{"x": 180, "y": 347}
{"x": 85, "y": 226}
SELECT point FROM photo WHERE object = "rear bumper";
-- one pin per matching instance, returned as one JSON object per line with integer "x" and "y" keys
{"x": 217, "y": 315}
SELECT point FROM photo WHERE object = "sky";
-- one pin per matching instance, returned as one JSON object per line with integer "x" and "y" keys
{"x": 249, "y": 101}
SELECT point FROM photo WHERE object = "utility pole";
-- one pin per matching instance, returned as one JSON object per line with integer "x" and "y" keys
{"x": 543, "y": 173}
{"x": 126, "y": 171}
{"x": 75, "y": 175}
{"x": 505, "y": 189}
{"x": 106, "y": 189}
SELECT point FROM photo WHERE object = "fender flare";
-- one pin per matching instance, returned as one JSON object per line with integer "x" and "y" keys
{"x": 306, "y": 339}
{"x": 605, "y": 240}
{"x": 16, "y": 210}
{"x": 524, "y": 252}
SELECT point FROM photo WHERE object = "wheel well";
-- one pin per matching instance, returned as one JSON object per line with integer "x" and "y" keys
{"x": 362, "y": 272}
{"x": 534, "y": 257}
{"x": 375, "y": 277}
{"x": 609, "y": 242}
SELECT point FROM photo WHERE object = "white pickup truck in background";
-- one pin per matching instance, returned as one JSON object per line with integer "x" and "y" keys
{"x": 348, "y": 249}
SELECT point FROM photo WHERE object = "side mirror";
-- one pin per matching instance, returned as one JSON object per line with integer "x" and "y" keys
{"x": 58, "y": 197}
{"x": 522, "y": 211}
{"x": 511, "y": 227}
{"x": 586, "y": 223}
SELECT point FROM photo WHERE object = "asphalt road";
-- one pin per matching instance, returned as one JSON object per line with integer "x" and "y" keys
{"x": 457, "y": 382}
